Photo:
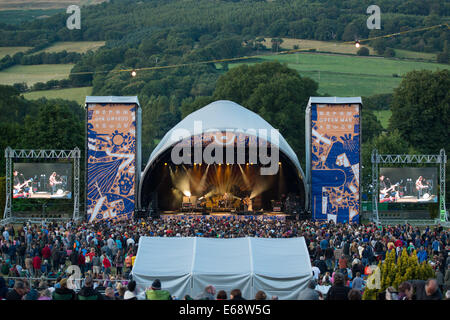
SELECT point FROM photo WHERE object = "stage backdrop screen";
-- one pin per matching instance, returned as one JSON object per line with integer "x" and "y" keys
{"x": 111, "y": 158}
{"x": 42, "y": 180}
{"x": 413, "y": 185}
{"x": 335, "y": 157}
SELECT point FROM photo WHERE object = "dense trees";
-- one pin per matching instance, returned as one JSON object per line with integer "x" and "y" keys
{"x": 54, "y": 124}
{"x": 421, "y": 110}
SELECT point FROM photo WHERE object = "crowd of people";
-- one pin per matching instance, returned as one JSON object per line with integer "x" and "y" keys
{"x": 71, "y": 260}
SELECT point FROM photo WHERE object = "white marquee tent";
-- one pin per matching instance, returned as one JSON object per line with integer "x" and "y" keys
{"x": 279, "y": 267}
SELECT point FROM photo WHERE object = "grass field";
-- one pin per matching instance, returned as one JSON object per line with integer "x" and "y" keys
{"x": 75, "y": 94}
{"x": 383, "y": 116}
{"x": 405, "y": 54}
{"x": 327, "y": 46}
{"x": 4, "y": 51}
{"x": 350, "y": 75}
{"x": 35, "y": 73}
{"x": 76, "y": 46}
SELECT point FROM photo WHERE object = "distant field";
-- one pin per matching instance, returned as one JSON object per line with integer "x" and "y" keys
{"x": 16, "y": 17}
{"x": 43, "y": 4}
{"x": 35, "y": 73}
{"x": 383, "y": 116}
{"x": 328, "y": 46}
{"x": 76, "y": 46}
{"x": 4, "y": 51}
{"x": 75, "y": 94}
{"x": 350, "y": 75}
{"x": 405, "y": 54}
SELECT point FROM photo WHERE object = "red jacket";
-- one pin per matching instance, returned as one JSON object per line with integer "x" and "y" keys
{"x": 37, "y": 262}
{"x": 106, "y": 263}
{"x": 46, "y": 253}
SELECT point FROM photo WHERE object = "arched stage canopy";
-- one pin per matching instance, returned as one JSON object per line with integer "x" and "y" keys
{"x": 220, "y": 115}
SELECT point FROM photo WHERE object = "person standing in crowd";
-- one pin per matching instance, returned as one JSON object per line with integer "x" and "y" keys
{"x": 236, "y": 294}
{"x": 88, "y": 292}
{"x": 405, "y": 291}
{"x": 354, "y": 294}
{"x": 260, "y": 295}
{"x": 221, "y": 295}
{"x": 130, "y": 294}
{"x": 426, "y": 290}
{"x": 109, "y": 294}
{"x": 118, "y": 262}
{"x": 358, "y": 282}
{"x": 208, "y": 294}
{"x": 338, "y": 290}
{"x": 37, "y": 265}
{"x": 155, "y": 292}
{"x": 62, "y": 292}
{"x": 309, "y": 293}
{"x": 18, "y": 291}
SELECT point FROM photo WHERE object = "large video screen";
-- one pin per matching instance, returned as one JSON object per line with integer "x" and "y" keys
{"x": 42, "y": 180}
{"x": 409, "y": 185}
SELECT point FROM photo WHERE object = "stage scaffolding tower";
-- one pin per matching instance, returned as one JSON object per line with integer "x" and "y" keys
{"x": 10, "y": 154}
{"x": 440, "y": 159}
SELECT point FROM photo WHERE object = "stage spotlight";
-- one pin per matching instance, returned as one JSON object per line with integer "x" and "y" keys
{"x": 228, "y": 164}
{"x": 279, "y": 163}
{"x": 133, "y": 73}
{"x": 165, "y": 163}
{"x": 247, "y": 163}
{"x": 251, "y": 163}
{"x": 200, "y": 164}
{"x": 357, "y": 44}
{"x": 195, "y": 164}
{"x": 187, "y": 193}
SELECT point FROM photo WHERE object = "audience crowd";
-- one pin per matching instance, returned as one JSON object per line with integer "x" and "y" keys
{"x": 67, "y": 261}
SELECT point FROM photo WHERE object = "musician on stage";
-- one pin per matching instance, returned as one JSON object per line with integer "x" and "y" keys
{"x": 387, "y": 190}
{"x": 20, "y": 184}
{"x": 420, "y": 186}
{"x": 54, "y": 182}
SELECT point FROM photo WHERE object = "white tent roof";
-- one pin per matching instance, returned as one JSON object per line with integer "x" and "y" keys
{"x": 187, "y": 265}
{"x": 222, "y": 115}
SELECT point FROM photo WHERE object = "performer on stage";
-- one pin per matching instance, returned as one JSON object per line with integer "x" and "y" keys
{"x": 54, "y": 182}
{"x": 420, "y": 186}
{"x": 248, "y": 206}
{"x": 21, "y": 185}
{"x": 387, "y": 190}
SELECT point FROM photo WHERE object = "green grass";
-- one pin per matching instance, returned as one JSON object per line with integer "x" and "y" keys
{"x": 406, "y": 54}
{"x": 4, "y": 51}
{"x": 35, "y": 73}
{"x": 74, "y": 46}
{"x": 383, "y": 116}
{"x": 339, "y": 75}
{"x": 75, "y": 94}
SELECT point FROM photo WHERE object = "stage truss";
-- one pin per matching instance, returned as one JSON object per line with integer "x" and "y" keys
{"x": 440, "y": 159}
{"x": 10, "y": 154}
